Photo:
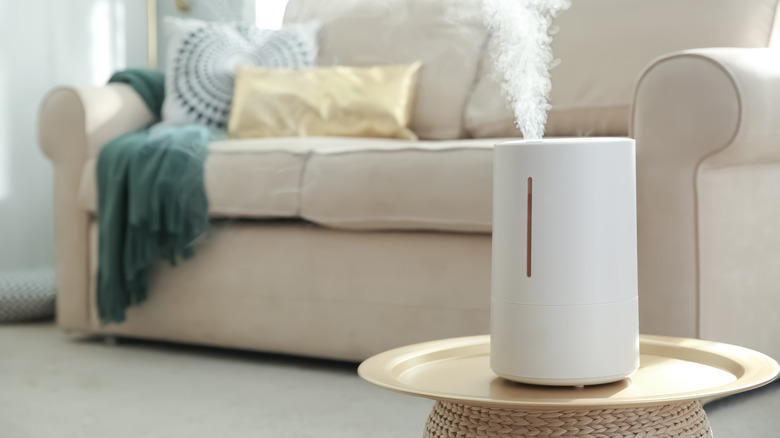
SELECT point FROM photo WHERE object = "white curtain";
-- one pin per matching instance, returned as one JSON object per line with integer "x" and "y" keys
{"x": 44, "y": 43}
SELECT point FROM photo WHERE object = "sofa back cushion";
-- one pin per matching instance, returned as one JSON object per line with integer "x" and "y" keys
{"x": 604, "y": 45}
{"x": 447, "y": 36}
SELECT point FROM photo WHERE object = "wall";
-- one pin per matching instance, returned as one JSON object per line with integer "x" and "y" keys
{"x": 44, "y": 43}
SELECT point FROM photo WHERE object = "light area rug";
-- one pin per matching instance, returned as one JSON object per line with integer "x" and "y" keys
{"x": 55, "y": 386}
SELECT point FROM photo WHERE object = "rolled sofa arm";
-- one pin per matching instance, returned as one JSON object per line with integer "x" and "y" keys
{"x": 73, "y": 124}
{"x": 76, "y": 121}
{"x": 693, "y": 110}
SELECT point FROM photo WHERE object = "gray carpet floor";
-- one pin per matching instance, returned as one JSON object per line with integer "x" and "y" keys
{"x": 55, "y": 386}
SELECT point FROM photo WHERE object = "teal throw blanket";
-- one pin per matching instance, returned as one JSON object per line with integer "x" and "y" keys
{"x": 149, "y": 84}
{"x": 151, "y": 200}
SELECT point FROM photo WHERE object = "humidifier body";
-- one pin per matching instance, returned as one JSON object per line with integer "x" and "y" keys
{"x": 564, "y": 307}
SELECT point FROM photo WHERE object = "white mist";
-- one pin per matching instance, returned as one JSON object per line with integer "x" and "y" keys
{"x": 520, "y": 47}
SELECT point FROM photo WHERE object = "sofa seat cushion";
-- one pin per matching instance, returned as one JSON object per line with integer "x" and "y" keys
{"x": 349, "y": 183}
{"x": 380, "y": 184}
{"x": 243, "y": 178}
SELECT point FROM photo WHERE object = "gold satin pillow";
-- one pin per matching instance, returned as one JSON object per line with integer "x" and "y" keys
{"x": 324, "y": 101}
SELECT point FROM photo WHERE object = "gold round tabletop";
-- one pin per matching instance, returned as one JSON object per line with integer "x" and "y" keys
{"x": 671, "y": 370}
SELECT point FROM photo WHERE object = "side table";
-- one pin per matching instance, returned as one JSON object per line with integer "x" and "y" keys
{"x": 662, "y": 399}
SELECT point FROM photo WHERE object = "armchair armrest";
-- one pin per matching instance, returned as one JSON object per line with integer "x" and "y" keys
{"x": 693, "y": 110}
{"x": 73, "y": 124}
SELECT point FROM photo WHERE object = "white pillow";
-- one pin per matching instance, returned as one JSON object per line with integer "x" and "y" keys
{"x": 202, "y": 58}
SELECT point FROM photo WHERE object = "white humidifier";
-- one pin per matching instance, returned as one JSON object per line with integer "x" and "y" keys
{"x": 564, "y": 294}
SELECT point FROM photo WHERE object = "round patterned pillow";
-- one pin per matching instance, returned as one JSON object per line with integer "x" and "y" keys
{"x": 202, "y": 59}
{"x": 27, "y": 295}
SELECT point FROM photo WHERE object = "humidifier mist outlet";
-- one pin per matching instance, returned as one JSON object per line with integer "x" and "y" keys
{"x": 564, "y": 307}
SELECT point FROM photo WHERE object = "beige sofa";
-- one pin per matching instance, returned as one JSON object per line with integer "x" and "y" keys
{"x": 341, "y": 248}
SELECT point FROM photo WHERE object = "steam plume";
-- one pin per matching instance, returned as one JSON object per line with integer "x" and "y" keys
{"x": 522, "y": 55}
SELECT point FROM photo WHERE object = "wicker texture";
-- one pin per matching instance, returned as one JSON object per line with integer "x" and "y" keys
{"x": 683, "y": 420}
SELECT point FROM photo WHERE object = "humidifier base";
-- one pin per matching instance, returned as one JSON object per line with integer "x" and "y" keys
{"x": 564, "y": 345}
{"x": 565, "y": 382}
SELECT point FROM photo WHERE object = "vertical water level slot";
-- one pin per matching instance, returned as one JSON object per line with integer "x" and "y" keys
{"x": 529, "y": 226}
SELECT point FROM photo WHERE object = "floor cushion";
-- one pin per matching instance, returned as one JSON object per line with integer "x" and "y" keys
{"x": 27, "y": 295}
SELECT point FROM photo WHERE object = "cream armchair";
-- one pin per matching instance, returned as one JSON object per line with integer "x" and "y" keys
{"x": 707, "y": 125}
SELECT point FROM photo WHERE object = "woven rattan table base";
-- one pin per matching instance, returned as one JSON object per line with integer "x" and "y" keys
{"x": 683, "y": 420}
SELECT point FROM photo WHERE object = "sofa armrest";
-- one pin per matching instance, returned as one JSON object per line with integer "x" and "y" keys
{"x": 693, "y": 109}
{"x": 73, "y": 124}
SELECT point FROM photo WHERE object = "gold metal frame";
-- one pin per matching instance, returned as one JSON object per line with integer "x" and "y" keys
{"x": 151, "y": 35}
{"x": 151, "y": 28}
